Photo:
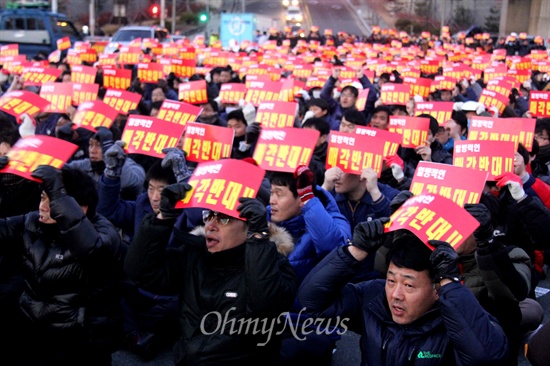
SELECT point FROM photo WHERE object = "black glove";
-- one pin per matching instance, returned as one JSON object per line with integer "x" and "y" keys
{"x": 255, "y": 214}
{"x": 65, "y": 132}
{"x": 369, "y": 235}
{"x": 175, "y": 158}
{"x": 444, "y": 261}
{"x": 399, "y": 199}
{"x": 482, "y": 214}
{"x": 4, "y": 161}
{"x": 169, "y": 196}
{"x": 114, "y": 159}
{"x": 105, "y": 138}
{"x": 52, "y": 181}
{"x": 252, "y": 132}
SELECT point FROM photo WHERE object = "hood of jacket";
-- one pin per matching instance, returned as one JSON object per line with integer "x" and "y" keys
{"x": 278, "y": 235}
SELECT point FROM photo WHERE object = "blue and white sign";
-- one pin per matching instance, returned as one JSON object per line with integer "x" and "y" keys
{"x": 238, "y": 27}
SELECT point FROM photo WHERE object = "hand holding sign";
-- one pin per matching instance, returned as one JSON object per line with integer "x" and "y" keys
{"x": 304, "y": 182}
{"x": 397, "y": 165}
{"x": 254, "y": 212}
{"x": 369, "y": 235}
{"x": 175, "y": 158}
{"x": 52, "y": 181}
{"x": 114, "y": 159}
{"x": 444, "y": 261}
{"x": 481, "y": 213}
{"x": 169, "y": 196}
{"x": 514, "y": 183}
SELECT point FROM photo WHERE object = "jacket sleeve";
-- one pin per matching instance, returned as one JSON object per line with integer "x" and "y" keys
{"x": 371, "y": 98}
{"x": 477, "y": 337}
{"x": 327, "y": 230}
{"x": 504, "y": 278}
{"x": 325, "y": 291}
{"x": 536, "y": 218}
{"x": 80, "y": 235}
{"x": 149, "y": 263}
{"x": 541, "y": 189}
{"x": 271, "y": 281}
{"x": 121, "y": 213}
{"x": 11, "y": 231}
{"x": 326, "y": 94}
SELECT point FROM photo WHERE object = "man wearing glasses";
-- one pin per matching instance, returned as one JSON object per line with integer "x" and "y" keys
{"x": 233, "y": 283}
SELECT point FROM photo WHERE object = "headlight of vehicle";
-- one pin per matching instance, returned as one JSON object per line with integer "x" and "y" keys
{"x": 285, "y": 2}
{"x": 288, "y": 17}
{"x": 294, "y": 2}
{"x": 299, "y": 17}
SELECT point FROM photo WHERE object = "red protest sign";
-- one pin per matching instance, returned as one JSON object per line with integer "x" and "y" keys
{"x": 19, "y": 102}
{"x": 107, "y": 59}
{"x": 232, "y": 93}
{"x": 413, "y": 129}
{"x": 448, "y": 181}
{"x": 31, "y": 151}
{"x": 178, "y": 112}
{"x": 148, "y": 135}
{"x": 83, "y": 93}
{"x": 433, "y": 217}
{"x": 539, "y": 103}
{"x": 207, "y": 142}
{"x": 262, "y": 91}
{"x": 418, "y": 86}
{"x": 276, "y": 114}
{"x": 495, "y": 157}
{"x": 9, "y": 50}
{"x": 83, "y": 74}
{"x": 361, "y": 101}
{"x": 218, "y": 185}
{"x": 129, "y": 55}
{"x": 121, "y": 100}
{"x": 183, "y": 68}
{"x": 63, "y": 43}
{"x": 286, "y": 94}
{"x": 59, "y": 95}
{"x": 441, "y": 111}
{"x": 150, "y": 72}
{"x": 500, "y": 85}
{"x": 117, "y": 78}
{"x": 193, "y": 92}
{"x": 39, "y": 75}
{"x": 365, "y": 149}
{"x": 284, "y": 149}
{"x": 90, "y": 115}
{"x": 395, "y": 94}
{"x": 502, "y": 129}
{"x": 491, "y": 98}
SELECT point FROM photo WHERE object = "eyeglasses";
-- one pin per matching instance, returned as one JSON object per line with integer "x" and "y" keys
{"x": 208, "y": 216}
{"x": 540, "y": 137}
{"x": 347, "y": 95}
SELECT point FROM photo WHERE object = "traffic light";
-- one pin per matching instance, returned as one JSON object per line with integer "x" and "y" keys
{"x": 155, "y": 10}
{"x": 203, "y": 17}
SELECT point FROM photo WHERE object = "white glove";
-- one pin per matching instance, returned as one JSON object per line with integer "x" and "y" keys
{"x": 480, "y": 109}
{"x": 218, "y": 101}
{"x": 308, "y": 115}
{"x": 397, "y": 172}
{"x": 527, "y": 84}
{"x": 242, "y": 102}
{"x": 494, "y": 111}
{"x": 27, "y": 126}
{"x": 208, "y": 77}
{"x": 304, "y": 94}
{"x": 249, "y": 112}
{"x": 516, "y": 190}
{"x": 458, "y": 106}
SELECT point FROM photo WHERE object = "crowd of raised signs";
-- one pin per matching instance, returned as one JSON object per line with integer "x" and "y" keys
{"x": 462, "y": 120}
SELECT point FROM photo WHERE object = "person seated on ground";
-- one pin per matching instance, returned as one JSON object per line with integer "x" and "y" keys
{"x": 351, "y": 119}
{"x": 319, "y": 158}
{"x": 420, "y": 311}
{"x": 234, "y": 270}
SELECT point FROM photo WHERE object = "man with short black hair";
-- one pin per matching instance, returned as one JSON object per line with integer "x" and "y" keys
{"x": 420, "y": 312}
{"x": 351, "y": 119}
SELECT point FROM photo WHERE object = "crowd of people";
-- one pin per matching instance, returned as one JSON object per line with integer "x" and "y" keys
{"x": 97, "y": 257}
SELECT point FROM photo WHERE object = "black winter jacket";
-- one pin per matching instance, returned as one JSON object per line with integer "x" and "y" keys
{"x": 71, "y": 269}
{"x": 222, "y": 294}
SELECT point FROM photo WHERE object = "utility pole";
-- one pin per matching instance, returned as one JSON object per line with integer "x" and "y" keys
{"x": 162, "y": 12}
{"x": 174, "y": 16}
{"x": 442, "y": 16}
{"x": 54, "y": 6}
{"x": 92, "y": 17}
